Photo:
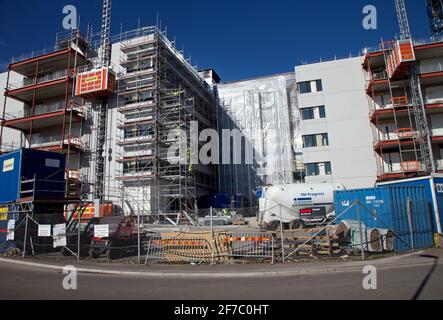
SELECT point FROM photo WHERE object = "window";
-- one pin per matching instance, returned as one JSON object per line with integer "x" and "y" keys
{"x": 325, "y": 139}
{"x": 315, "y": 140}
{"x": 307, "y": 113}
{"x": 309, "y": 141}
{"x": 310, "y": 86}
{"x": 318, "y": 169}
{"x": 312, "y": 113}
{"x": 319, "y": 85}
{"x": 312, "y": 169}
{"x": 328, "y": 169}
{"x": 304, "y": 87}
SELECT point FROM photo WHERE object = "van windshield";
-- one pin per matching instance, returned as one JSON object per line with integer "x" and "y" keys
{"x": 113, "y": 222}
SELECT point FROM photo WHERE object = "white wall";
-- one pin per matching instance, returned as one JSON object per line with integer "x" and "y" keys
{"x": 11, "y": 138}
{"x": 350, "y": 149}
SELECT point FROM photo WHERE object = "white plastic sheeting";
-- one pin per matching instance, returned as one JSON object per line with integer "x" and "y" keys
{"x": 266, "y": 112}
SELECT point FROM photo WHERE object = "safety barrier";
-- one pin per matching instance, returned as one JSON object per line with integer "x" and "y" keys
{"x": 175, "y": 249}
{"x": 246, "y": 245}
{"x": 209, "y": 248}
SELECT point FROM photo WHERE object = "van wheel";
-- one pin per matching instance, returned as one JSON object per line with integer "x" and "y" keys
{"x": 94, "y": 254}
{"x": 296, "y": 225}
{"x": 112, "y": 253}
{"x": 274, "y": 226}
{"x": 65, "y": 252}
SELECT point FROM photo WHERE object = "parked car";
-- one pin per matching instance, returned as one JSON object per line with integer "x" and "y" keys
{"x": 122, "y": 238}
{"x": 86, "y": 234}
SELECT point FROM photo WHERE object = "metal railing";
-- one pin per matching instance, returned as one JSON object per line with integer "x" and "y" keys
{"x": 40, "y": 79}
{"x": 34, "y": 54}
{"x": 39, "y": 141}
{"x": 416, "y": 42}
{"x": 46, "y": 108}
{"x": 423, "y": 69}
{"x": 210, "y": 247}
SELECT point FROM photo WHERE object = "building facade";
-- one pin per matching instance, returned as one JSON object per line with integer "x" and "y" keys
{"x": 335, "y": 132}
{"x": 406, "y": 116}
{"x": 157, "y": 97}
{"x": 265, "y": 111}
{"x": 40, "y": 110}
{"x": 158, "y": 93}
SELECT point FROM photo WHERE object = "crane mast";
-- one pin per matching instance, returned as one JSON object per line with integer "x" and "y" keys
{"x": 101, "y": 107}
{"x": 403, "y": 22}
{"x": 416, "y": 95}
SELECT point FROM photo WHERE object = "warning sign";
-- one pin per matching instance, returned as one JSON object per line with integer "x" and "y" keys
{"x": 59, "y": 235}
{"x": 11, "y": 230}
{"x": 8, "y": 165}
{"x": 101, "y": 231}
{"x": 44, "y": 230}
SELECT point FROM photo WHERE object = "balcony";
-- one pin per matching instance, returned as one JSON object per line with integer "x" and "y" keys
{"x": 45, "y": 115}
{"x": 402, "y": 106}
{"x": 46, "y": 86}
{"x": 403, "y": 169}
{"x": 431, "y": 74}
{"x": 55, "y": 143}
{"x": 401, "y": 137}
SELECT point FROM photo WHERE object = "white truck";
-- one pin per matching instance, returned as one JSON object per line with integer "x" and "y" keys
{"x": 297, "y": 205}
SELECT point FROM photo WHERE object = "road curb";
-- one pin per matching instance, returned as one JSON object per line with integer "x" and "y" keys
{"x": 246, "y": 274}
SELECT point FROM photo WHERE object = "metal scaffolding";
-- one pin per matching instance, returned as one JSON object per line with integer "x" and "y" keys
{"x": 159, "y": 95}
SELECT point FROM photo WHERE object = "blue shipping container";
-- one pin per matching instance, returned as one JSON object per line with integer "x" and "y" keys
{"x": 24, "y": 164}
{"x": 434, "y": 193}
{"x": 387, "y": 208}
{"x": 7, "y": 212}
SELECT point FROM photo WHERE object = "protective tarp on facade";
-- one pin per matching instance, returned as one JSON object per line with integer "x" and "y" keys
{"x": 266, "y": 112}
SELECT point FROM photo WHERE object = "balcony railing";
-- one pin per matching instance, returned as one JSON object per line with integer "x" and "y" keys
{"x": 40, "y": 79}
{"x": 423, "y": 69}
{"x": 49, "y": 141}
{"x": 403, "y": 167}
{"x": 379, "y": 75}
{"x": 47, "y": 108}
{"x": 417, "y": 42}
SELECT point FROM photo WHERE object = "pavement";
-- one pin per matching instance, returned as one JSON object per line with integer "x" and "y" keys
{"x": 412, "y": 276}
{"x": 250, "y": 270}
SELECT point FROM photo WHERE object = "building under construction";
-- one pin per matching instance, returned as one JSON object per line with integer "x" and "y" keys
{"x": 57, "y": 105}
{"x": 159, "y": 97}
{"x": 405, "y": 91}
{"x": 40, "y": 104}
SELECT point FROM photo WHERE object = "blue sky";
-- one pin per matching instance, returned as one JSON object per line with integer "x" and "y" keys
{"x": 238, "y": 38}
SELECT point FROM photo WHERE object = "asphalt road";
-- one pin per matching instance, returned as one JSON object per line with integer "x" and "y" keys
{"x": 398, "y": 282}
